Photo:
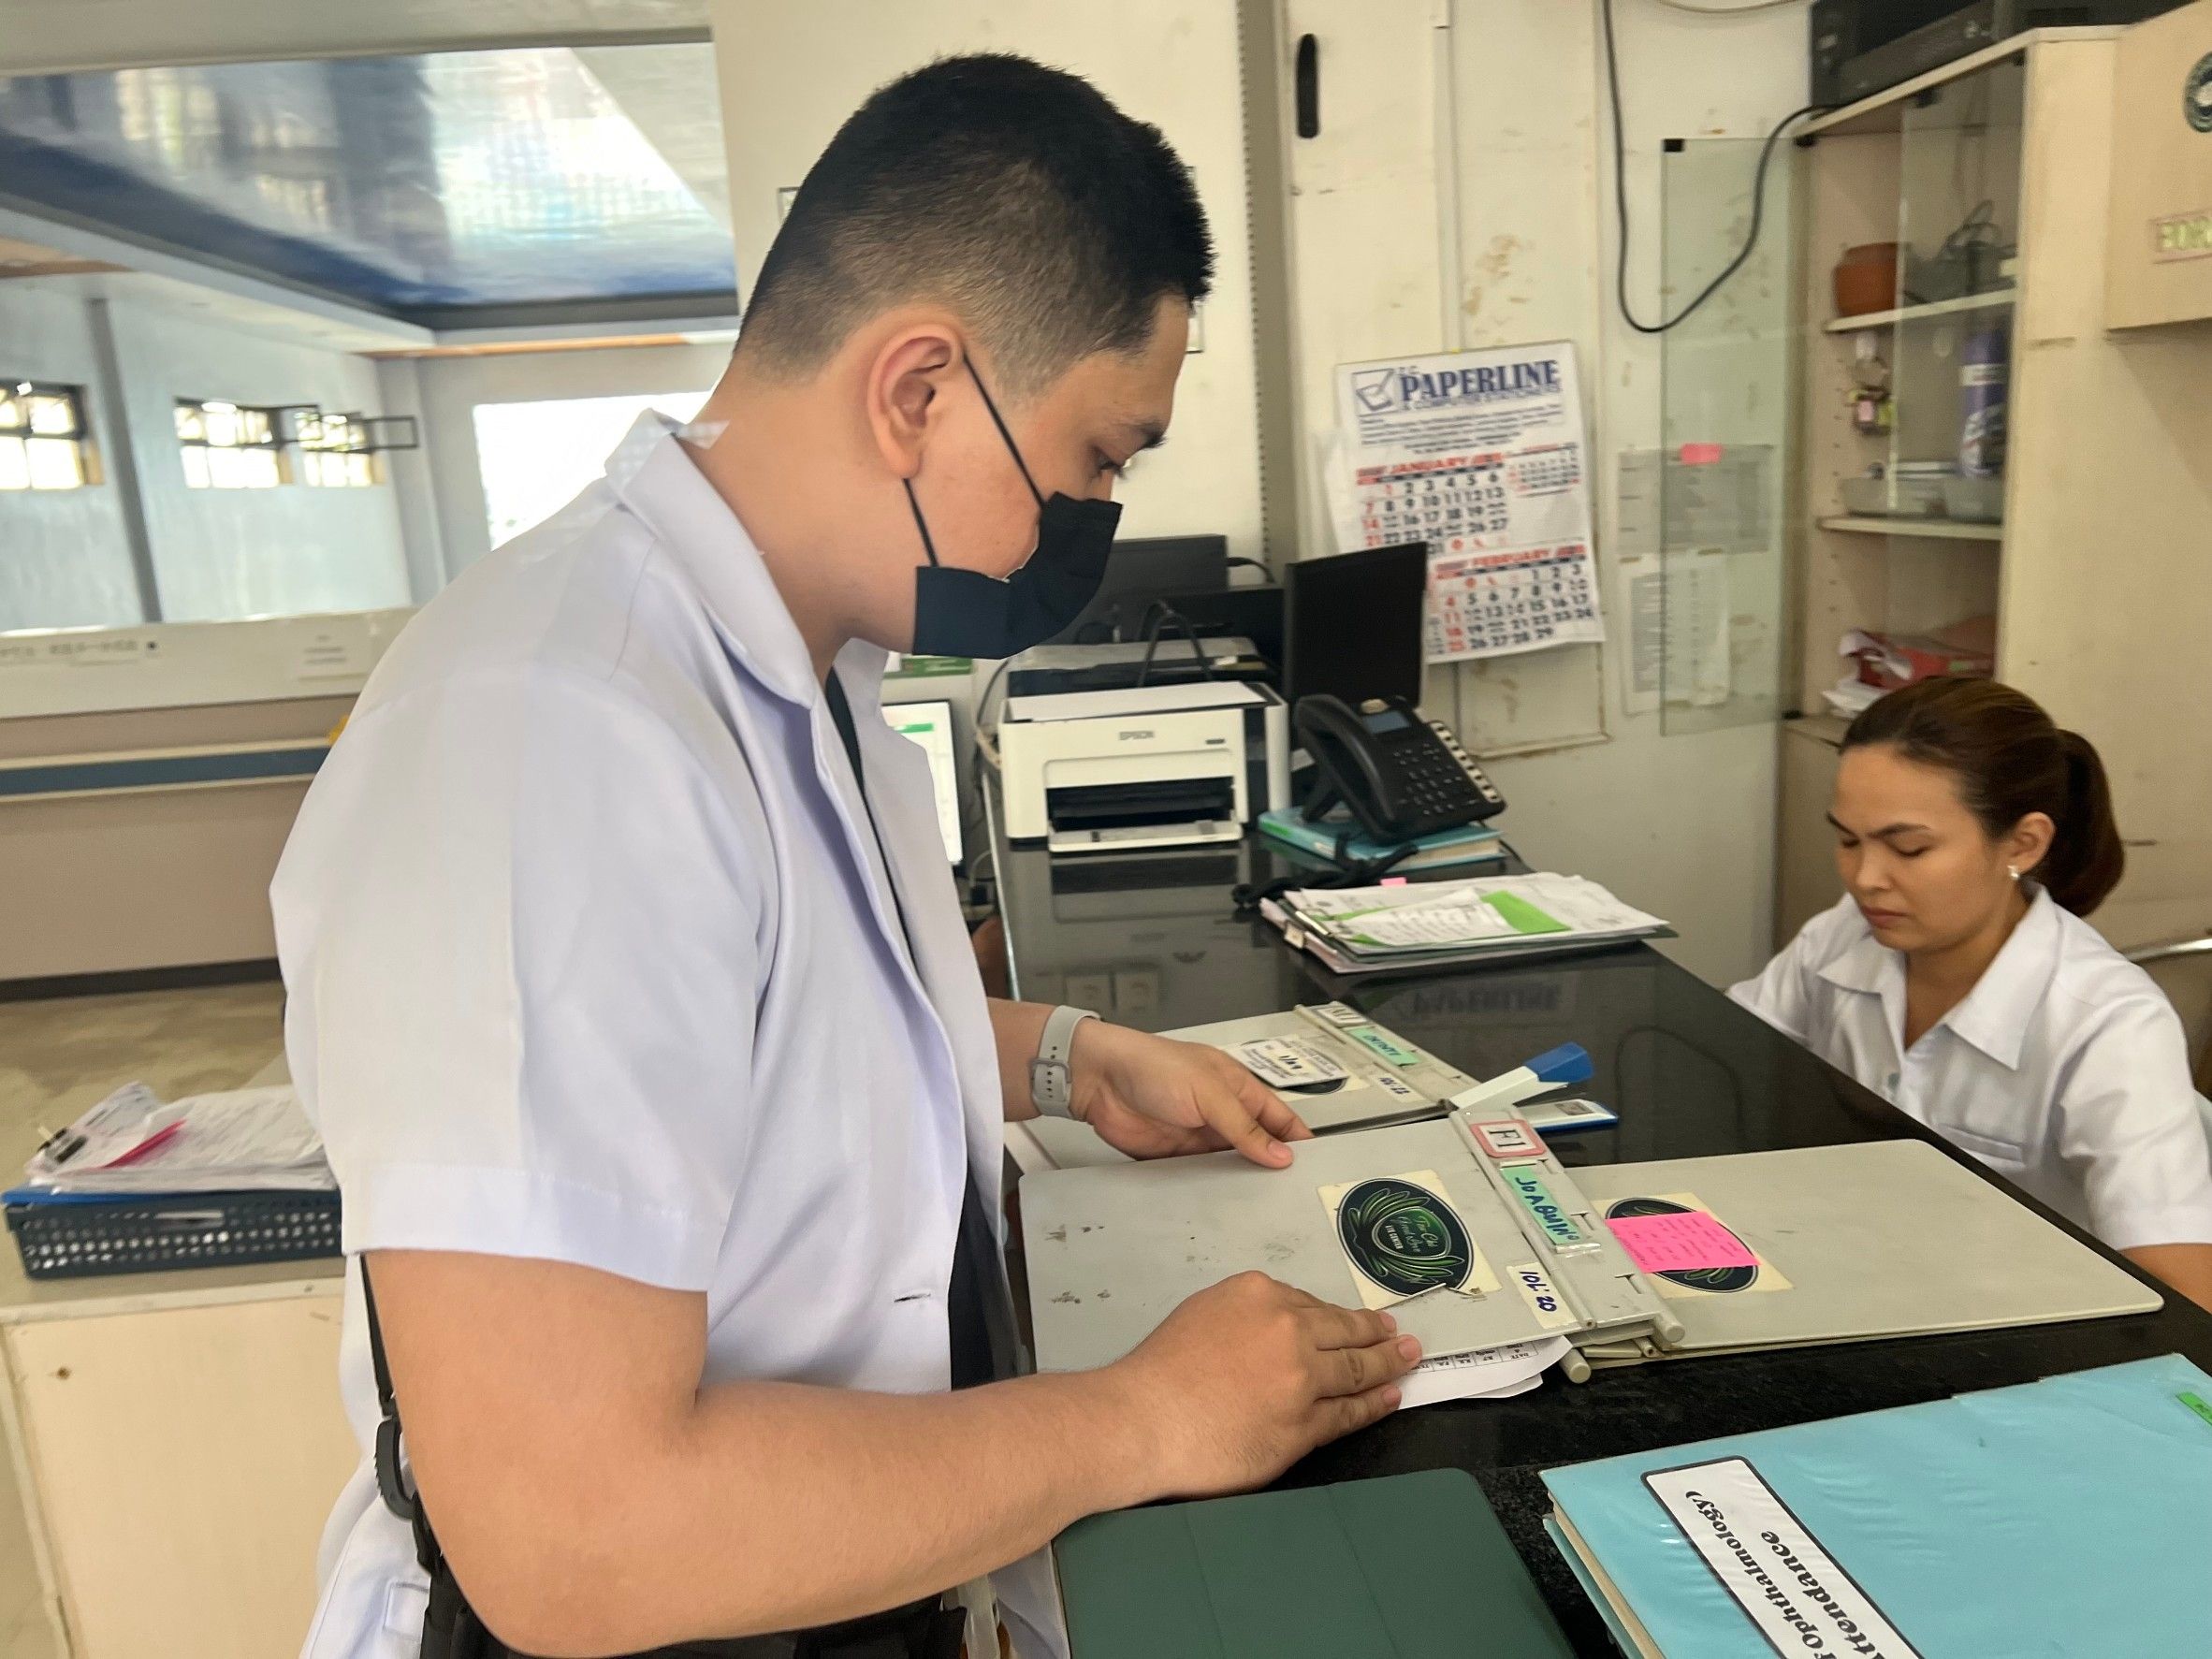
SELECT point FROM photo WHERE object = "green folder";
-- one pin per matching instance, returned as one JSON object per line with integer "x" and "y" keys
{"x": 1411, "y": 1565}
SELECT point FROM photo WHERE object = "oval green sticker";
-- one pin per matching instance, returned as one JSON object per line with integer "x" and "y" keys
{"x": 1404, "y": 1237}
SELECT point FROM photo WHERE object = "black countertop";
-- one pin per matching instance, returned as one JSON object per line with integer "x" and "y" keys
{"x": 1691, "y": 1075}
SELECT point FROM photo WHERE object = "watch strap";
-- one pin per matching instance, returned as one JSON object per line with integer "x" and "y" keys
{"x": 1051, "y": 1081}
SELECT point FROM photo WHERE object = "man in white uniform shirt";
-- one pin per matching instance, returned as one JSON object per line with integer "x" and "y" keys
{"x": 632, "y": 998}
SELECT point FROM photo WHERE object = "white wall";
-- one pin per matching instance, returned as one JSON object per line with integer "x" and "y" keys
{"x": 448, "y": 389}
{"x": 791, "y": 73}
{"x": 1682, "y": 826}
{"x": 65, "y": 554}
{"x": 285, "y": 551}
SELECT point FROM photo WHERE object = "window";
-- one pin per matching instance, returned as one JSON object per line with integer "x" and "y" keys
{"x": 228, "y": 447}
{"x": 41, "y": 437}
{"x": 334, "y": 450}
{"x": 535, "y": 457}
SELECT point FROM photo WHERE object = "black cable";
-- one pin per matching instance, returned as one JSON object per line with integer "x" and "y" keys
{"x": 1347, "y": 871}
{"x": 1159, "y": 616}
{"x": 984, "y": 703}
{"x": 1750, "y": 238}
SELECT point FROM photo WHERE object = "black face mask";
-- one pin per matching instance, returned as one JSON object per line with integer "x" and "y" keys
{"x": 963, "y": 613}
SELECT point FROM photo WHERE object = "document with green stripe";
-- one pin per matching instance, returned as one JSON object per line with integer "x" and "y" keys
{"x": 1368, "y": 1569}
{"x": 1443, "y": 921}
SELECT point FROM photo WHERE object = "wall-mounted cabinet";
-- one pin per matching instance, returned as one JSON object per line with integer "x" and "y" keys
{"x": 2160, "y": 252}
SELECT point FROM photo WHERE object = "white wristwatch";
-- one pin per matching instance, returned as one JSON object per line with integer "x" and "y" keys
{"x": 1051, "y": 1085}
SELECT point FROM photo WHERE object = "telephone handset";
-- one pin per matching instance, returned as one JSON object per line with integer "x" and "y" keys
{"x": 1401, "y": 774}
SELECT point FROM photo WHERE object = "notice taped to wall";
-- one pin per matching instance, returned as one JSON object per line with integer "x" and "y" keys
{"x": 1480, "y": 455}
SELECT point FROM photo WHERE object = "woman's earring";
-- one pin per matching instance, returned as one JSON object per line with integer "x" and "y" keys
{"x": 2013, "y": 870}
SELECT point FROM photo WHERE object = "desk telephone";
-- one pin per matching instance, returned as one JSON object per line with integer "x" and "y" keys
{"x": 1401, "y": 774}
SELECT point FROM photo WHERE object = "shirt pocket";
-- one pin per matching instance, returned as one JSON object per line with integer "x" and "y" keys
{"x": 1990, "y": 1148}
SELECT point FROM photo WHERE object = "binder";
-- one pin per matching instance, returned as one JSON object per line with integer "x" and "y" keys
{"x": 1826, "y": 1244}
{"x": 2066, "y": 1517}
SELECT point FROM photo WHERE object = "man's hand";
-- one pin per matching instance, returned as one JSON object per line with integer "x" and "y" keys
{"x": 1153, "y": 1097}
{"x": 1244, "y": 1379}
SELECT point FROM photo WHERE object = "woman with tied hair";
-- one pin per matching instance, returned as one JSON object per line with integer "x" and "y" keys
{"x": 1957, "y": 978}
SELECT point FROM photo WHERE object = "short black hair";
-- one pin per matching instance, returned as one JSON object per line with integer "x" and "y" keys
{"x": 1015, "y": 195}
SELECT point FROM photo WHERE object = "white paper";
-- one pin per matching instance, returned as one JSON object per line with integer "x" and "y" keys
{"x": 1487, "y": 1373}
{"x": 1801, "y": 1601}
{"x": 1480, "y": 455}
{"x": 241, "y": 1137}
{"x": 1679, "y": 607}
{"x": 1285, "y": 1063}
{"x": 1707, "y": 495}
{"x": 1588, "y": 910}
{"x": 1435, "y": 924}
{"x": 1083, "y": 705}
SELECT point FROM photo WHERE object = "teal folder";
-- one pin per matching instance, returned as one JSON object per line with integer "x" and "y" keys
{"x": 2071, "y": 1517}
{"x": 1408, "y": 1567}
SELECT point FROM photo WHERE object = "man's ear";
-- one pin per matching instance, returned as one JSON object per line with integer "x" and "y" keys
{"x": 905, "y": 387}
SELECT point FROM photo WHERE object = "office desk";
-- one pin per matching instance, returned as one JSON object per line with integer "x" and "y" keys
{"x": 1691, "y": 1075}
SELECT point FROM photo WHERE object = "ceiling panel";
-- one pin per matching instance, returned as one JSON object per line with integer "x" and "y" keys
{"x": 411, "y": 185}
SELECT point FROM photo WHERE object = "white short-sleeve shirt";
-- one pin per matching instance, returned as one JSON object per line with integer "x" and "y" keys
{"x": 590, "y": 958}
{"x": 2064, "y": 1069}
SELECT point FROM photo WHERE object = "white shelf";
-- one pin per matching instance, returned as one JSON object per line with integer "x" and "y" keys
{"x": 1944, "y": 530}
{"x": 1990, "y": 300}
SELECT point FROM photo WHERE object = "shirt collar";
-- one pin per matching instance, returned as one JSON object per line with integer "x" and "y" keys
{"x": 1994, "y": 1015}
{"x": 658, "y": 481}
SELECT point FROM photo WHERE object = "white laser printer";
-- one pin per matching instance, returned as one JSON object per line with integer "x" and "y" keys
{"x": 1121, "y": 768}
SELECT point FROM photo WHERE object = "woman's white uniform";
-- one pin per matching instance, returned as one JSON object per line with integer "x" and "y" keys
{"x": 590, "y": 958}
{"x": 2064, "y": 1069}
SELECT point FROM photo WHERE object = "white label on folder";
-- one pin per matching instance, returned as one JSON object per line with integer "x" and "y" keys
{"x": 1544, "y": 1301}
{"x": 1800, "y": 1600}
{"x": 1391, "y": 1085}
{"x": 1285, "y": 1063}
{"x": 1507, "y": 1139}
{"x": 1339, "y": 1015}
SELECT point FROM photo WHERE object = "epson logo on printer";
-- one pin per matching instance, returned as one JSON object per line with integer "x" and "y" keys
{"x": 1387, "y": 391}
{"x": 1137, "y": 736}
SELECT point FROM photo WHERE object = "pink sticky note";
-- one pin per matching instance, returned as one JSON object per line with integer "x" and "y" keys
{"x": 1700, "y": 455}
{"x": 1394, "y": 880}
{"x": 1681, "y": 1242}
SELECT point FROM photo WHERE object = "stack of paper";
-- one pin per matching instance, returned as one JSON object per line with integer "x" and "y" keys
{"x": 1443, "y": 923}
{"x": 132, "y": 1144}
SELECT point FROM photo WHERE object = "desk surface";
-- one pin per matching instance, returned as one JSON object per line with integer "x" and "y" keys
{"x": 1689, "y": 1074}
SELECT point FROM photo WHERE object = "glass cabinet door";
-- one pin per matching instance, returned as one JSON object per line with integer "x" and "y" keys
{"x": 1702, "y": 538}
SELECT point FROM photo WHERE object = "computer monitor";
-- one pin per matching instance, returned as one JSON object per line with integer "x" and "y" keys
{"x": 1140, "y": 571}
{"x": 1353, "y": 628}
{"x": 930, "y": 725}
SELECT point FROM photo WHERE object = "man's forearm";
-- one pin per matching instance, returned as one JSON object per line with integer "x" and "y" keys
{"x": 775, "y": 1505}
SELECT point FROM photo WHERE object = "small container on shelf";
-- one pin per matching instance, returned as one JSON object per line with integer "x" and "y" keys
{"x": 1902, "y": 495}
{"x": 1866, "y": 279}
{"x": 1979, "y": 501}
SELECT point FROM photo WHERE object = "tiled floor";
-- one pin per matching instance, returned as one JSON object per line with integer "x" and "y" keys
{"x": 56, "y": 1059}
